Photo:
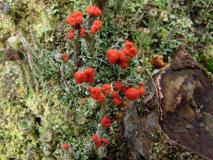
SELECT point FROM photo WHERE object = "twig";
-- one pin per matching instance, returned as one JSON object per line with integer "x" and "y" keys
{"x": 88, "y": 45}
{"x": 156, "y": 89}
{"x": 29, "y": 58}
{"x": 63, "y": 77}
{"x": 77, "y": 53}
{"x": 33, "y": 35}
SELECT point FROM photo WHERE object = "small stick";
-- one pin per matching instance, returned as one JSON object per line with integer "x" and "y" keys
{"x": 63, "y": 77}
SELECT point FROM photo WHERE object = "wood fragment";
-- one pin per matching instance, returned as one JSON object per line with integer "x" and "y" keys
{"x": 186, "y": 104}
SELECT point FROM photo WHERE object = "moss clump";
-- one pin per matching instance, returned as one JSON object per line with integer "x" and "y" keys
{"x": 165, "y": 150}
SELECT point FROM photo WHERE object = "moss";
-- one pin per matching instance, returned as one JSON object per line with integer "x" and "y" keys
{"x": 19, "y": 16}
{"x": 37, "y": 125}
{"x": 10, "y": 81}
{"x": 32, "y": 131}
{"x": 31, "y": 126}
{"x": 14, "y": 137}
{"x": 165, "y": 150}
{"x": 198, "y": 11}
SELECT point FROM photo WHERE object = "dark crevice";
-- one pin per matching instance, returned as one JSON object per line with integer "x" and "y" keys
{"x": 38, "y": 120}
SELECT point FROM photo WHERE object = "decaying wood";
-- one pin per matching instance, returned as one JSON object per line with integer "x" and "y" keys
{"x": 179, "y": 114}
{"x": 158, "y": 62}
{"x": 142, "y": 125}
{"x": 186, "y": 104}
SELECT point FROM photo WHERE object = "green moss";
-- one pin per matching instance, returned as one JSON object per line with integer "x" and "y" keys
{"x": 209, "y": 64}
{"x": 166, "y": 150}
{"x": 10, "y": 79}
